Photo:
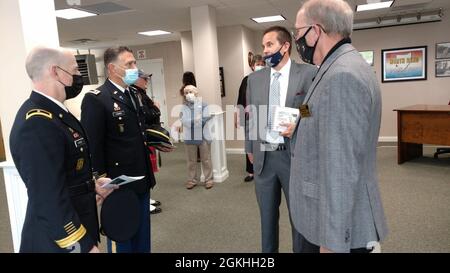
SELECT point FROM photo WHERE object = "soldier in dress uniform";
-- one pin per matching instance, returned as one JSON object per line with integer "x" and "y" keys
{"x": 116, "y": 131}
{"x": 152, "y": 116}
{"x": 51, "y": 153}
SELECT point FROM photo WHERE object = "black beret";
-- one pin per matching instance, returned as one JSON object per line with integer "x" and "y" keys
{"x": 119, "y": 215}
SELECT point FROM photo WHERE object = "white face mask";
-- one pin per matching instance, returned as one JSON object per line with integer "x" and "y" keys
{"x": 259, "y": 67}
{"x": 190, "y": 97}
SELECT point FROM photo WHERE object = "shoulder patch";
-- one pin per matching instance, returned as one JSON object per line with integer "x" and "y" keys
{"x": 95, "y": 92}
{"x": 38, "y": 112}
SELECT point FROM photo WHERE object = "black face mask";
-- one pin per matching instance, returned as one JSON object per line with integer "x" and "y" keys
{"x": 76, "y": 87}
{"x": 306, "y": 52}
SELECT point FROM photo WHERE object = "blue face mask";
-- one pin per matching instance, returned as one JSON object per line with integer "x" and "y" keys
{"x": 131, "y": 76}
{"x": 274, "y": 59}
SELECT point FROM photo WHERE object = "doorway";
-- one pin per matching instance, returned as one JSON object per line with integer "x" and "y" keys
{"x": 157, "y": 88}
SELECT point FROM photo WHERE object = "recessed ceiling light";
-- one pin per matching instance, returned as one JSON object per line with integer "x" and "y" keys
{"x": 154, "y": 33}
{"x": 372, "y": 6}
{"x": 266, "y": 19}
{"x": 73, "y": 13}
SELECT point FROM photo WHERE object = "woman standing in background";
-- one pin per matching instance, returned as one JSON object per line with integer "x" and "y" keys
{"x": 256, "y": 62}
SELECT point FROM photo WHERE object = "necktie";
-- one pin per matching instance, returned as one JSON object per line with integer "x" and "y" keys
{"x": 130, "y": 97}
{"x": 274, "y": 100}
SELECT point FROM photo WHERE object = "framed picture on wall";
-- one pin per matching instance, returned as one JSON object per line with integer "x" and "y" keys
{"x": 404, "y": 64}
{"x": 222, "y": 82}
{"x": 443, "y": 68}
{"x": 368, "y": 56}
{"x": 443, "y": 51}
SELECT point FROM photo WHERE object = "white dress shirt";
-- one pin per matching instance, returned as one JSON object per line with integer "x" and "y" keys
{"x": 118, "y": 86}
{"x": 60, "y": 104}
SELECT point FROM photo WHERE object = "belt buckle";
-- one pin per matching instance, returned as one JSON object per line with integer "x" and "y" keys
{"x": 274, "y": 146}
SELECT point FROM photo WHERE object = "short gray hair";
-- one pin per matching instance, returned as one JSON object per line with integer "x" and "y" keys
{"x": 40, "y": 58}
{"x": 335, "y": 16}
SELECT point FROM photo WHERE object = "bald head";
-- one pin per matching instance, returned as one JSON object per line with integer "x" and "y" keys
{"x": 41, "y": 59}
{"x": 335, "y": 16}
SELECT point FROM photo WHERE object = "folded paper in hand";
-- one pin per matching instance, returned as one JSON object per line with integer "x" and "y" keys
{"x": 121, "y": 180}
{"x": 284, "y": 115}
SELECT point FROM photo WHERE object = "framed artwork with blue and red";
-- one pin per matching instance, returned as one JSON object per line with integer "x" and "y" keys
{"x": 404, "y": 64}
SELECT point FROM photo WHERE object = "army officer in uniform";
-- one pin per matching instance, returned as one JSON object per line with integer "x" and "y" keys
{"x": 116, "y": 132}
{"x": 51, "y": 153}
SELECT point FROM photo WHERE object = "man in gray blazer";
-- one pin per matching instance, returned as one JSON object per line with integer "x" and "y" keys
{"x": 282, "y": 83}
{"x": 334, "y": 196}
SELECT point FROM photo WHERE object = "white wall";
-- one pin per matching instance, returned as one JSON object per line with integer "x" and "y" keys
{"x": 234, "y": 42}
{"x": 24, "y": 24}
{"x": 248, "y": 45}
{"x": 432, "y": 91}
{"x": 170, "y": 53}
{"x": 187, "y": 51}
{"x": 74, "y": 105}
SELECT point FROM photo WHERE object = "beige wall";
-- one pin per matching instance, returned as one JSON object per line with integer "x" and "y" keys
{"x": 248, "y": 44}
{"x": 23, "y": 25}
{"x": 2, "y": 145}
{"x": 187, "y": 51}
{"x": 235, "y": 41}
{"x": 432, "y": 91}
{"x": 231, "y": 58}
{"x": 74, "y": 105}
{"x": 170, "y": 52}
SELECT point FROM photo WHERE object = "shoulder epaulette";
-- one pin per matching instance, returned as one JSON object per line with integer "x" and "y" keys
{"x": 95, "y": 92}
{"x": 38, "y": 112}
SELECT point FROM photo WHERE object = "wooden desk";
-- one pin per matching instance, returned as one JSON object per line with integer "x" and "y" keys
{"x": 421, "y": 124}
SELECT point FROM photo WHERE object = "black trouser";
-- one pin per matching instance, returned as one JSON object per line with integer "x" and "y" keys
{"x": 307, "y": 247}
{"x": 249, "y": 165}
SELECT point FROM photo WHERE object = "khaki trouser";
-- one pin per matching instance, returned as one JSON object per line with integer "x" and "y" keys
{"x": 205, "y": 157}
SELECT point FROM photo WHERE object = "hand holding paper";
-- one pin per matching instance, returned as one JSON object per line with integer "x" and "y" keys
{"x": 102, "y": 193}
{"x": 290, "y": 127}
{"x": 285, "y": 119}
{"x": 121, "y": 180}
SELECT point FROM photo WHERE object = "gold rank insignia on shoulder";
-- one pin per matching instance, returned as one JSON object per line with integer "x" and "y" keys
{"x": 304, "y": 111}
{"x": 95, "y": 92}
{"x": 38, "y": 112}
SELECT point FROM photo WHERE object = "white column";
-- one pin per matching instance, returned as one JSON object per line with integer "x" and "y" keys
{"x": 218, "y": 152}
{"x": 24, "y": 24}
{"x": 206, "y": 63}
{"x": 187, "y": 51}
{"x": 206, "y": 53}
{"x": 16, "y": 194}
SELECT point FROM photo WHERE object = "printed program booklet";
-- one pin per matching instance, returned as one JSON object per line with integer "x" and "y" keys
{"x": 284, "y": 115}
{"x": 122, "y": 180}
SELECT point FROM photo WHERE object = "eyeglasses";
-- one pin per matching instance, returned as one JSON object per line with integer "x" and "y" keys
{"x": 296, "y": 30}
